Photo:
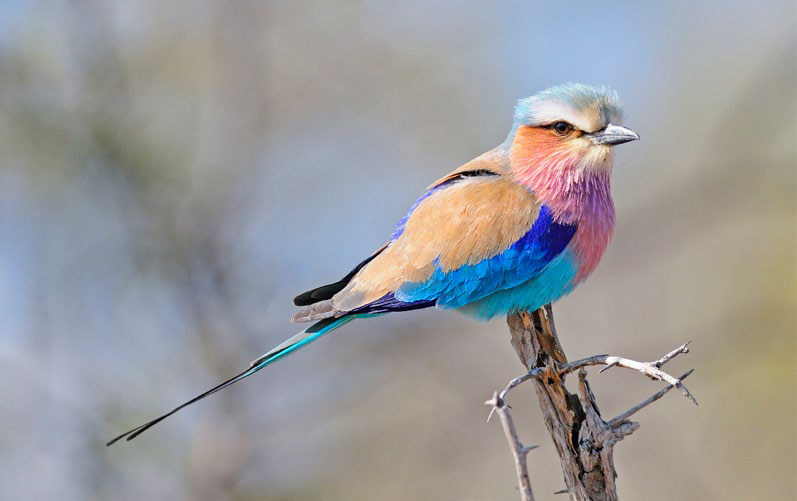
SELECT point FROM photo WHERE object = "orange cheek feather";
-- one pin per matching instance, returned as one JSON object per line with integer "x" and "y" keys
{"x": 537, "y": 154}
{"x": 533, "y": 142}
{"x": 534, "y": 148}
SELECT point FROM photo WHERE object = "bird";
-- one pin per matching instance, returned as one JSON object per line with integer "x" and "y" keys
{"x": 514, "y": 229}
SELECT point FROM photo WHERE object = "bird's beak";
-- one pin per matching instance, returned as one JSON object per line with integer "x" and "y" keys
{"x": 613, "y": 134}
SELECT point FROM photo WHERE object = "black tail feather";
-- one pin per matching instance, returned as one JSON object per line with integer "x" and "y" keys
{"x": 327, "y": 291}
{"x": 303, "y": 338}
{"x": 130, "y": 435}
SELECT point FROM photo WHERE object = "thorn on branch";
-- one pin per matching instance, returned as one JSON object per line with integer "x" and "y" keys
{"x": 608, "y": 366}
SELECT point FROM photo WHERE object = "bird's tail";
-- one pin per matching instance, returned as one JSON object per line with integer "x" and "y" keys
{"x": 303, "y": 338}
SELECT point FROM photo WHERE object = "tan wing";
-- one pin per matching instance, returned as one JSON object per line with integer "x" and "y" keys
{"x": 472, "y": 219}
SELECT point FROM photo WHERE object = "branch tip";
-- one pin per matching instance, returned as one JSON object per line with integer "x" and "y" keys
{"x": 616, "y": 421}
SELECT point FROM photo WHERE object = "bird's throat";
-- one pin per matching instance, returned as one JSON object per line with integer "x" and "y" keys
{"x": 577, "y": 189}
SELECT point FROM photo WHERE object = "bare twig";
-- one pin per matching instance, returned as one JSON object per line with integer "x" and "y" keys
{"x": 684, "y": 348}
{"x": 519, "y": 451}
{"x": 633, "y": 410}
{"x": 650, "y": 369}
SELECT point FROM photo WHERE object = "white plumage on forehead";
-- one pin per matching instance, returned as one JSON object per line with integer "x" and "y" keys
{"x": 587, "y": 108}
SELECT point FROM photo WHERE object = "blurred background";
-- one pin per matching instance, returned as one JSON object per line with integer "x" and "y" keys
{"x": 173, "y": 173}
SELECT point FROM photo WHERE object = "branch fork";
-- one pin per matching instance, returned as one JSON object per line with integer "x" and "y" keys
{"x": 583, "y": 440}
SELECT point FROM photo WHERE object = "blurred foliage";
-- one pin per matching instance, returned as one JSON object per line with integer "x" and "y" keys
{"x": 171, "y": 174}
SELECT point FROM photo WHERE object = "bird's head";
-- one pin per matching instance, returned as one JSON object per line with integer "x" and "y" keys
{"x": 568, "y": 128}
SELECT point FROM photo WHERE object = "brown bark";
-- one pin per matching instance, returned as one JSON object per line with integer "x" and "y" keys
{"x": 583, "y": 440}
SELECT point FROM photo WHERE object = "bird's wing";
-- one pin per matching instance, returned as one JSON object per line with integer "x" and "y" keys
{"x": 471, "y": 234}
{"x": 317, "y": 302}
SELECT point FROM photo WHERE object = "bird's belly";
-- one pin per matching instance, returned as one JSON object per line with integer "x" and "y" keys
{"x": 554, "y": 281}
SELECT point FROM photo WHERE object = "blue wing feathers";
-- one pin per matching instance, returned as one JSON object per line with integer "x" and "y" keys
{"x": 520, "y": 262}
{"x": 517, "y": 264}
{"x": 555, "y": 280}
{"x": 389, "y": 302}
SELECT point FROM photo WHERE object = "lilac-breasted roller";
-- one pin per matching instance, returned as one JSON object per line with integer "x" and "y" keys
{"x": 511, "y": 230}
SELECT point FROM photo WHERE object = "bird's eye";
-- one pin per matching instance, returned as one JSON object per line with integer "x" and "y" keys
{"x": 562, "y": 128}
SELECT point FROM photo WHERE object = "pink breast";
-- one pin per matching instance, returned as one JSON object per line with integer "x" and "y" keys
{"x": 590, "y": 241}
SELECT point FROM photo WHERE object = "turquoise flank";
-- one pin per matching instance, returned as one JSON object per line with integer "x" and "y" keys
{"x": 556, "y": 280}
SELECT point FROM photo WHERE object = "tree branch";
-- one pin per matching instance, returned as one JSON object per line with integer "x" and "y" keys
{"x": 519, "y": 451}
{"x": 650, "y": 369}
{"x": 633, "y": 410}
{"x": 583, "y": 440}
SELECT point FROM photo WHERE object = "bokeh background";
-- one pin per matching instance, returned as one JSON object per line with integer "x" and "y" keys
{"x": 173, "y": 173}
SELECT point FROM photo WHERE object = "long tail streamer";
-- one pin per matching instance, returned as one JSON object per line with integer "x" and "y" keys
{"x": 303, "y": 338}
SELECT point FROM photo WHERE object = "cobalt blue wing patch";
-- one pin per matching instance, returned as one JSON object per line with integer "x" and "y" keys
{"x": 521, "y": 261}
{"x": 388, "y": 303}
